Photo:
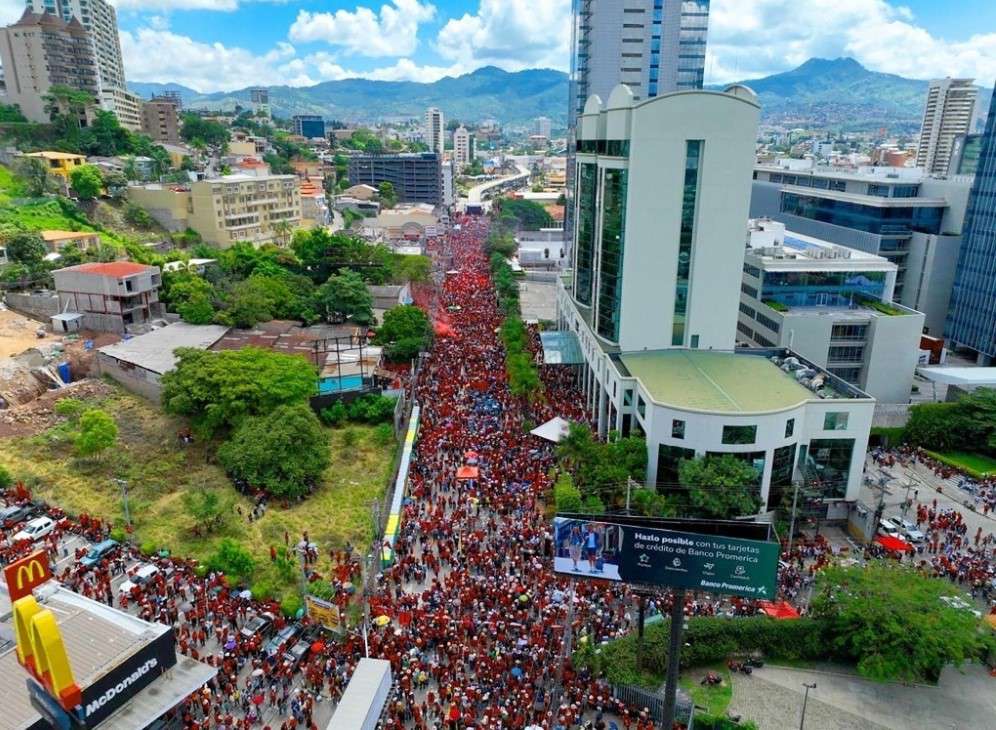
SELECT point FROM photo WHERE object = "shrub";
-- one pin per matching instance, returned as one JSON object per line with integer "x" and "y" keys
{"x": 201, "y": 571}
{"x": 5, "y": 478}
{"x": 349, "y": 437}
{"x": 148, "y": 547}
{"x": 70, "y": 408}
{"x": 372, "y": 409}
{"x": 335, "y": 415}
{"x": 321, "y": 589}
{"x": 566, "y": 496}
{"x": 118, "y": 534}
{"x": 290, "y": 606}
{"x": 262, "y": 590}
{"x": 384, "y": 434}
{"x": 232, "y": 559}
{"x": 98, "y": 432}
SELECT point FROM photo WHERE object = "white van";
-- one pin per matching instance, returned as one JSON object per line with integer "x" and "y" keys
{"x": 36, "y": 529}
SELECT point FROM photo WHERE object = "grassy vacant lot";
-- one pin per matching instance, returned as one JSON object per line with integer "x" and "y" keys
{"x": 975, "y": 465}
{"x": 714, "y": 699}
{"x": 158, "y": 470}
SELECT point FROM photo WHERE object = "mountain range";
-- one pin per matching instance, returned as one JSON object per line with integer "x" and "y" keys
{"x": 828, "y": 93}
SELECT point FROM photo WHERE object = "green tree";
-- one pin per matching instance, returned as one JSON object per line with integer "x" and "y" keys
{"x": 204, "y": 131}
{"x": 285, "y": 451}
{"x": 388, "y": 196}
{"x": 346, "y": 296}
{"x": 414, "y": 269}
{"x": 26, "y": 247}
{"x": 219, "y": 389}
{"x": 232, "y": 559}
{"x": 244, "y": 307}
{"x": 528, "y": 214}
{"x": 98, "y": 432}
{"x": 87, "y": 181}
{"x": 720, "y": 487}
{"x": 566, "y": 497}
{"x": 135, "y": 215}
{"x": 404, "y": 333}
{"x": 34, "y": 172}
{"x": 6, "y": 480}
{"x": 207, "y": 508}
{"x": 890, "y": 619}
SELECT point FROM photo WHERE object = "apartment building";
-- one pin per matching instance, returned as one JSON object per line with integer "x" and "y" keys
{"x": 227, "y": 210}
{"x": 911, "y": 219}
{"x": 417, "y": 177}
{"x": 948, "y": 113}
{"x": 830, "y": 304}
{"x": 120, "y": 296}
{"x": 309, "y": 126}
{"x": 101, "y": 21}
{"x": 43, "y": 50}
{"x": 161, "y": 119}
{"x": 126, "y": 106}
{"x": 463, "y": 152}
{"x": 434, "y": 130}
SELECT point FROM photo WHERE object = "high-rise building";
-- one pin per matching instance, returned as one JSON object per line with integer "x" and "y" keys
{"x": 542, "y": 126}
{"x": 42, "y": 50}
{"x": 652, "y": 46}
{"x": 259, "y": 98}
{"x": 949, "y": 112}
{"x": 161, "y": 119}
{"x": 311, "y": 126}
{"x": 433, "y": 130}
{"x": 965, "y": 154}
{"x": 463, "y": 148}
{"x": 972, "y": 320}
{"x": 417, "y": 177}
{"x": 911, "y": 219}
{"x": 101, "y": 20}
{"x": 650, "y": 313}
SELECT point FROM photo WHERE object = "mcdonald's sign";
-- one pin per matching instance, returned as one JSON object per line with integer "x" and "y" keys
{"x": 24, "y": 575}
{"x": 41, "y": 650}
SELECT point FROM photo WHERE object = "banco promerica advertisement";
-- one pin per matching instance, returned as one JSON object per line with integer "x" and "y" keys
{"x": 586, "y": 548}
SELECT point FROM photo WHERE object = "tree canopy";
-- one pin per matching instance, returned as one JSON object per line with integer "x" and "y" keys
{"x": 527, "y": 214}
{"x": 603, "y": 469}
{"x": 969, "y": 422}
{"x": 285, "y": 451}
{"x": 219, "y": 389}
{"x": 720, "y": 487}
{"x": 203, "y": 131}
{"x": 890, "y": 620}
{"x": 404, "y": 333}
{"x": 97, "y": 432}
{"x": 346, "y": 296}
{"x": 87, "y": 181}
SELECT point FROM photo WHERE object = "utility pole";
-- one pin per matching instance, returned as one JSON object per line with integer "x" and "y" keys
{"x": 805, "y": 700}
{"x": 123, "y": 483}
{"x": 795, "y": 500}
{"x": 673, "y": 657}
{"x": 373, "y": 557}
{"x": 568, "y": 644}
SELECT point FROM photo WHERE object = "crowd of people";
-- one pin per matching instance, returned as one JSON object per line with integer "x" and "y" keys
{"x": 478, "y": 621}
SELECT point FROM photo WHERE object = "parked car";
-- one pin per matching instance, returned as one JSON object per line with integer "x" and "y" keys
{"x": 297, "y": 653}
{"x": 885, "y": 527}
{"x": 16, "y": 514}
{"x": 907, "y": 529}
{"x": 36, "y": 529}
{"x": 283, "y": 638}
{"x": 142, "y": 576}
{"x": 261, "y": 624}
{"x": 98, "y": 552}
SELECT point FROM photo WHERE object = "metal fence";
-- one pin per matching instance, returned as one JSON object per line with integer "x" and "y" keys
{"x": 638, "y": 697}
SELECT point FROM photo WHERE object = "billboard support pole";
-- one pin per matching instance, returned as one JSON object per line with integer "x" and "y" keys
{"x": 673, "y": 657}
{"x": 641, "y": 621}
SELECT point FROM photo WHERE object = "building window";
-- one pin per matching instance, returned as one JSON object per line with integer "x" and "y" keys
{"x": 768, "y": 322}
{"x": 585, "y": 252}
{"x": 689, "y": 205}
{"x": 851, "y": 375}
{"x": 749, "y": 290}
{"x": 846, "y": 353}
{"x": 611, "y": 259}
{"x": 669, "y": 460}
{"x": 739, "y": 434}
{"x": 627, "y": 397}
{"x": 835, "y": 421}
{"x": 752, "y": 270}
{"x": 695, "y": 342}
{"x": 677, "y": 429}
{"x": 745, "y": 330}
{"x": 849, "y": 332}
{"x": 782, "y": 466}
{"x": 789, "y": 428}
{"x": 879, "y": 191}
{"x": 641, "y": 406}
{"x": 828, "y": 465}
{"x": 749, "y": 311}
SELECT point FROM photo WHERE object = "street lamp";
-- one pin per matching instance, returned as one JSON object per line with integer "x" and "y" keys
{"x": 805, "y": 699}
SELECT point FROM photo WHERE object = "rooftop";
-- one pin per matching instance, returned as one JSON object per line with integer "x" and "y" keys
{"x": 154, "y": 350}
{"x": 52, "y": 155}
{"x": 778, "y": 248}
{"x": 721, "y": 382}
{"x": 114, "y": 268}
{"x": 55, "y": 236}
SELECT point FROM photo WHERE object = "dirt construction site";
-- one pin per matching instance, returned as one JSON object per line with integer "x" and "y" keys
{"x": 30, "y": 356}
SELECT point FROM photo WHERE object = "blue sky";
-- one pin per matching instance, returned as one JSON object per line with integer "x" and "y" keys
{"x": 226, "y": 44}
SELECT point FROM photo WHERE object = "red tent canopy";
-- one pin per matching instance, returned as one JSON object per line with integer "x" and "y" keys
{"x": 894, "y": 544}
{"x": 468, "y": 472}
{"x": 781, "y": 610}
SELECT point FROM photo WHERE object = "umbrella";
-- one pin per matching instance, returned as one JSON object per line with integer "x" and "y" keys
{"x": 257, "y": 699}
{"x": 257, "y": 672}
{"x": 318, "y": 647}
{"x": 382, "y": 620}
{"x": 186, "y": 606}
{"x": 246, "y": 594}
{"x": 517, "y": 672}
{"x": 230, "y": 644}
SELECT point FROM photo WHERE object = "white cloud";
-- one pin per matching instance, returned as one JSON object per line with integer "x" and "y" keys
{"x": 391, "y": 32}
{"x": 164, "y": 56}
{"x": 511, "y": 34}
{"x": 165, "y": 5}
{"x": 751, "y": 39}
{"x": 10, "y": 11}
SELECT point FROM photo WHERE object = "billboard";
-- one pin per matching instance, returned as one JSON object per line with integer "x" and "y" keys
{"x": 323, "y": 612}
{"x": 610, "y": 549}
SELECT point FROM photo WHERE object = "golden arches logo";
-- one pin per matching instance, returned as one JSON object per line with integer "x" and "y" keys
{"x": 24, "y": 575}
{"x": 42, "y": 651}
